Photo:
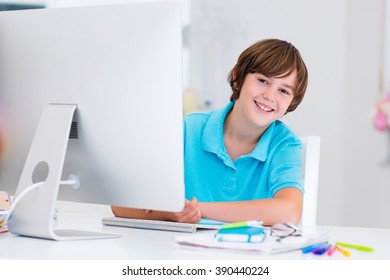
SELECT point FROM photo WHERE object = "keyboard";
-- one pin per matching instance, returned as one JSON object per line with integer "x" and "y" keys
{"x": 162, "y": 225}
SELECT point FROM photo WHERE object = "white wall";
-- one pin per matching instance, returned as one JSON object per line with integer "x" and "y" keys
{"x": 340, "y": 42}
{"x": 366, "y": 183}
{"x": 386, "y": 47}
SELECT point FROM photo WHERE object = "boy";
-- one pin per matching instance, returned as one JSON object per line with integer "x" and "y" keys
{"x": 241, "y": 161}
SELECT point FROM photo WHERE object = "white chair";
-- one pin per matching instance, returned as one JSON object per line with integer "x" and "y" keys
{"x": 311, "y": 157}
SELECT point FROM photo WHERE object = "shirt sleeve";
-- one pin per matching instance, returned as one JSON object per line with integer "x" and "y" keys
{"x": 286, "y": 167}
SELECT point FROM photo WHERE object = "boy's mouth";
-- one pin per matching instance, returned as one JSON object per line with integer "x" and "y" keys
{"x": 263, "y": 107}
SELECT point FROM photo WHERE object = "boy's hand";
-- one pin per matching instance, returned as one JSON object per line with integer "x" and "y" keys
{"x": 190, "y": 214}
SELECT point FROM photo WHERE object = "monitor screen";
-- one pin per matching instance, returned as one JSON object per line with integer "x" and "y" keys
{"x": 93, "y": 93}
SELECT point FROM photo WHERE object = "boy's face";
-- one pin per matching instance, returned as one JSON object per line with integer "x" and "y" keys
{"x": 265, "y": 99}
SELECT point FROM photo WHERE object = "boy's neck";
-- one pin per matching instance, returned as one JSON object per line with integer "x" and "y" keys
{"x": 239, "y": 139}
{"x": 238, "y": 130}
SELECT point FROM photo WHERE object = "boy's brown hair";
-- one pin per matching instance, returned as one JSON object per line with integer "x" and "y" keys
{"x": 272, "y": 58}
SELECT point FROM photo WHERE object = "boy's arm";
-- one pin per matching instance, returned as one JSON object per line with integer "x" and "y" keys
{"x": 134, "y": 213}
{"x": 190, "y": 214}
{"x": 285, "y": 206}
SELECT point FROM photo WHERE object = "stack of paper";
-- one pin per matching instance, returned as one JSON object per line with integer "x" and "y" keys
{"x": 270, "y": 244}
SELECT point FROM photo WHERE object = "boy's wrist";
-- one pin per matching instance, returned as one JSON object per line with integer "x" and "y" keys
{"x": 169, "y": 216}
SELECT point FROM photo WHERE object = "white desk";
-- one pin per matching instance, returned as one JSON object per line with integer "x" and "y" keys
{"x": 138, "y": 244}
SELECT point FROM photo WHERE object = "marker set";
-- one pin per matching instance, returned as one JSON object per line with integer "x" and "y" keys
{"x": 325, "y": 247}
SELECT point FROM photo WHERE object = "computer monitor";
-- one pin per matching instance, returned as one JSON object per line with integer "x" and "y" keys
{"x": 92, "y": 94}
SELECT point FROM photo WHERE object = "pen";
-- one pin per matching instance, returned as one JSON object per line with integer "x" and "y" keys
{"x": 357, "y": 247}
{"x": 310, "y": 248}
{"x": 243, "y": 224}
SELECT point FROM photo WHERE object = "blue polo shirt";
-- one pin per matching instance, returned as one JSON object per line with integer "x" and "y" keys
{"x": 211, "y": 175}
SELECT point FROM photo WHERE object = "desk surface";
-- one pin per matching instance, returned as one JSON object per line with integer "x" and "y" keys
{"x": 159, "y": 245}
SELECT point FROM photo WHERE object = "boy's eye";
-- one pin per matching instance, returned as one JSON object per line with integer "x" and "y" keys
{"x": 284, "y": 91}
{"x": 263, "y": 81}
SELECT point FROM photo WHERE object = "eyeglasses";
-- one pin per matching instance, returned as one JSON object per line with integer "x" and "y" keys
{"x": 283, "y": 230}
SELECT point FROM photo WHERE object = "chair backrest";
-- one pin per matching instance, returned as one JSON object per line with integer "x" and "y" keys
{"x": 311, "y": 156}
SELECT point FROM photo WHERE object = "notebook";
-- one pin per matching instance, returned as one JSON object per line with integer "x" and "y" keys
{"x": 162, "y": 225}
{"x": 270, "y": 244}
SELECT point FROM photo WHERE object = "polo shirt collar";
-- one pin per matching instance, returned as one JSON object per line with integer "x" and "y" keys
{"x": 261, "y": 150}
{"x": 213, "y": 142}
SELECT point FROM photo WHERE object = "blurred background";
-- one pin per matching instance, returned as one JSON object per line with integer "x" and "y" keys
{"x": 346, "y": 47}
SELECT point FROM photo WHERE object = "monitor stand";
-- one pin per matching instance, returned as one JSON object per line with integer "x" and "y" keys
{"x": 33, "y": 215}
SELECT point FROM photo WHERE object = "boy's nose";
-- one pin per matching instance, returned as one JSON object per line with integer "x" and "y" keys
{"x": 269, "y": 95}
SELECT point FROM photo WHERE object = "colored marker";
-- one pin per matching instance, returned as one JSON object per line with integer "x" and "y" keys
{"x": 345, "y": 252}
{"x": 243, "y": 224}
{"x": 357, "y": 247}
{"x": 331, "y": 250}
{"x": 310, "y": 248}
{"x": 322, "y": 249}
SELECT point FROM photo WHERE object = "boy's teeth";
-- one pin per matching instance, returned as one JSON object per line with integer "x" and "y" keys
{"x": 264, "y": 108}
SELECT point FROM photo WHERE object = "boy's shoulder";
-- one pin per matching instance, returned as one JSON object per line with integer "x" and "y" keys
{"x": 199, "y": 114}
{"x": 285, "y": 131}
{"x": 197, "y": 117}
{"x": 195, "y": 122}
{"x": 216, "y": 116}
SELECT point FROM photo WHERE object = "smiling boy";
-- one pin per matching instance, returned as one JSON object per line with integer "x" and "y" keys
{"x": 241, "y": 161}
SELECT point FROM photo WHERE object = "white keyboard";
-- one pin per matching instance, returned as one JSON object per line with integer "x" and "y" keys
{"x": 161, "y": 225}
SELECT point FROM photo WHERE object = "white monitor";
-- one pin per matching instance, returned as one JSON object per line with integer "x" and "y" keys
{"x": 112, "y": 76}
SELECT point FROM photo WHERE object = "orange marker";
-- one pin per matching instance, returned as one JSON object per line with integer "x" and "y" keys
{"x": 345, "y": 252}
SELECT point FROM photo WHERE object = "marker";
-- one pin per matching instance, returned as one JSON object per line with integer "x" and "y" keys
{"x": 345, "y": 252}
{"x": 331, "y": 250}
{"x": 310, "y": 248}
{"x": 357, "y": 247}
{"x": 322, "y": 249}
{"x": 243, "y": 224}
